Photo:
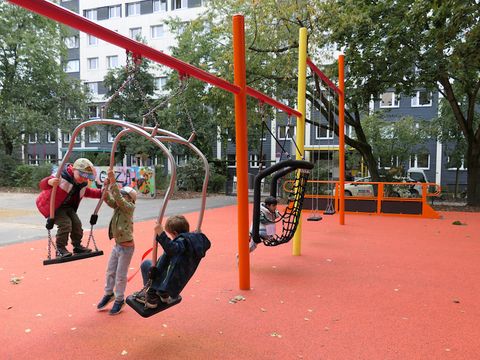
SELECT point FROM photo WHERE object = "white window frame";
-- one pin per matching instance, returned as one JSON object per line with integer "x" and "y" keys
{"x": 91, "y": 14}
{"x": 461, "y": 168}
{"x": 181, "y": 160}
{"x": 67, "y": 137}
{"x": 97, "y": 111}
{"x": 134, "y": 36}
{"x": 110, "y": 59}
{"x": 395, "y": 101}
{"x": 414, "y": 162}
{"x": 92, "y": 40}
{"x": 48, "y": 137}
{"x": 111, "y": 136}
{"x": 72, "y": 42}
{"x": 157, "y": 6}
{"x": 160, "y": 83}
{"x": 114, "y": 11}
{"x": 94, "y": 136}
{"x": 34, "y": 140}
{"x": 135, "y": 6}
{"x": 253, "y": 161}
{"x": 93, "y": 87}
{"x": 33, "y": 159}
{"x": 330, "y": 134}
{"x": 173, "y": 4}
{"x": 92, "y": 63}
{"x": 154, "y": 33}
{"x": 72, "y": 66}
{"x": 50, "y": 158}
{"x": 415, "y": 101}
{"x": 280, "y": 127}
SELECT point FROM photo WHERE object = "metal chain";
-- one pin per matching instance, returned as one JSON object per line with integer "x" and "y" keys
{"x": 184, "y": 79}
{"x": 50, "y": 243}
{"x": 91, "y": 237}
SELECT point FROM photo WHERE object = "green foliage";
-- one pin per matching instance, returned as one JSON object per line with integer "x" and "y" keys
{"x": 29, "y": 176}
{"x": 7, "y": 167}
{"x": 190, "y": 176}
{"x": 216, "y": 182}
{"x": 35, "y": 93}
{"x": 162, "y": 180}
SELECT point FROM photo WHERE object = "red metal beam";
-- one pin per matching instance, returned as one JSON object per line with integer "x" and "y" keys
{"x": 322, "y": 76}
{"x": 268, "y": 100}
{"x": 78, "y": 22}
{"x": 74, "y": 20}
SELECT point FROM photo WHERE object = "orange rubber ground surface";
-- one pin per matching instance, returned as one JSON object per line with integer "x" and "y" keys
{"x": 376, "y": 288}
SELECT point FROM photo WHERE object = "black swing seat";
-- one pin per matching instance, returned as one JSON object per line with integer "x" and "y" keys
{"x": 147, "y": 312}
{"x": 314, "y": 218}
{"x": 74, "y": 257}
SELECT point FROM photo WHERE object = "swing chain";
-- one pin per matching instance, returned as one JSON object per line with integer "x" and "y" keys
{"x": 184, "y": 81}
{"x": 91, "y": 237}
{"x": 50, "y": 243}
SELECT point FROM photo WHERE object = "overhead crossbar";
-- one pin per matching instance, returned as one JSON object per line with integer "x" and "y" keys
{"x": 322, "y": 76}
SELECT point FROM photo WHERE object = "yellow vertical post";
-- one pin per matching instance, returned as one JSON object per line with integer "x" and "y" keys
{"x": 341, "y": 136}
{"x": 301, "y": 107}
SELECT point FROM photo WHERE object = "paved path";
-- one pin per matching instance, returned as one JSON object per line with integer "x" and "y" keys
{"x": 20, "y": 220}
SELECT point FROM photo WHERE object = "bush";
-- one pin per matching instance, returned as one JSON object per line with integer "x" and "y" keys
{"x": 7, "y": 168}
{"x": 30, "y": 176}
{"x": 216, "y": 183}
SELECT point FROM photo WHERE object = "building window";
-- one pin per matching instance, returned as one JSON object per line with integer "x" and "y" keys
{"x": 254, "y": 160}
{"x": 156, "y": 31}
{"x": 111, "y": 136}
{"x": 181, "y": 159}
{"x": 133, "y": 9}
{"x": 92, "y": 40}
{"x": 136, "y": 33}
{"x": 50, "y": 159}
{"x": 422, "y": 98}
{"x": 50, "y": 137}
{"x": 92, "y": 63}
{"x": 159, "y": 5}
{"x": 176, "y": 4}
{"x": 387, "y": 163}
{"x": 72, "y": 66}
{"x": 33, "y": 159}
{"x": 285, "y": 132}
{"x": 93, "y": 136}
{"x": 72, "y": 42}
{"x": 194, "y": 3}
{"x": 90, "y": 14}
{"x": 93, "y": 87}
{"x": 67, "y": 137}
{"x": 231, "y": 160}
{"x": 452, "y": 166}
{"x": 389, "y": 100}
{"x": 160, "y": 83}
{"x": 93, "y": 111}
{"x": 114, "y": 11}
{"x": 421, "y": 161}
{"x": 322, "y": 133}
{"x": 32, "y": 138}
{"x": 112, "y": 62}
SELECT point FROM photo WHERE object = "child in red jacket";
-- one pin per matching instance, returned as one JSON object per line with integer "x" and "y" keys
{"x": 71, "y": 188}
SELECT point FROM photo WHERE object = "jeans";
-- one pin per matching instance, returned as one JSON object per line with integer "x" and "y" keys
{"x": 117, "y": 269}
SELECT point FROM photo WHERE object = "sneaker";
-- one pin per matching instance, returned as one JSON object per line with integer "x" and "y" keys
{"x": 152, "y": 299}
{"x": 80, "y": 249}
{"x": 252, "y": 246}
{"x": 117, "y": 307}
{"x": 140, "y": 296}
{"x": 168, "y": 300}
{"x": 63, "y": 252}
{"x": 105, "y": 301}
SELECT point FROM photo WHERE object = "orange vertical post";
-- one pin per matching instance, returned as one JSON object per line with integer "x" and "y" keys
{"x": 341, "y": 136}
{"x": 241, "y": 141}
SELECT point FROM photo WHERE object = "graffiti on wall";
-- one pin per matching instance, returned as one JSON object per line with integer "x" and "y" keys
{"x": 141, "y": 178}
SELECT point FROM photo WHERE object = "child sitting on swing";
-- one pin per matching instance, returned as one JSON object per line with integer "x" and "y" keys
{"x": 268, "y": 216}
{"x": 183, "y": 251}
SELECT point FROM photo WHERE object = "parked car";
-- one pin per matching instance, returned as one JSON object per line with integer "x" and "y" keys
{"x": 357, "y": 188}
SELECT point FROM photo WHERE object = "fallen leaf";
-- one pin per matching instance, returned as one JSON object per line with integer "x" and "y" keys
{"x": 80, "y": 293}
{"x": 306, "y": 319}
{"x": 456, "y": 301}
{"x": 263, "y": 310}
{"x": 164, "y": 325}
{"x": 124, "y": 352}
{"x": 28, "y": 330}
{"x": 38, "y": 315}
{"x": 73, "y": 328}
{"x": 15, "y": 280}
{"x": 274, "y": 334}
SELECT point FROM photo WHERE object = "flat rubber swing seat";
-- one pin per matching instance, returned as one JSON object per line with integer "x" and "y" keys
{"x": 314, "y": 218}
{"x": 147, "y": 312}
{"x": 74, "y": 257}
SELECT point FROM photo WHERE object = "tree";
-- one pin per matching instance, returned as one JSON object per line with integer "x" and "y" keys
{"x": 408, "y": 45}
{"x": 35, "y": 93}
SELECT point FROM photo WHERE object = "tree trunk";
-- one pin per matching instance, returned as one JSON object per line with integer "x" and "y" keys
{"x": 473, "y": 174}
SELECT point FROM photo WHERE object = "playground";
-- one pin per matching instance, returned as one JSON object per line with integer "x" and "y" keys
{"x": 379, "y": 287}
